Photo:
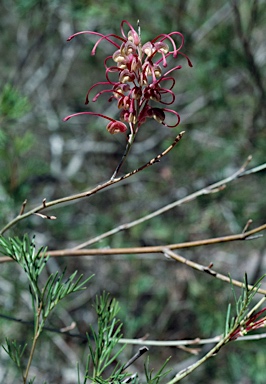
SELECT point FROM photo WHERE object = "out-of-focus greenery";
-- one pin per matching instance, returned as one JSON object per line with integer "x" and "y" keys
{"x": 221, "y": 101}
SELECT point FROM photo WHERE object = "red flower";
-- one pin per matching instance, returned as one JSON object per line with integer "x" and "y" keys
{"x": 140, "y": 78}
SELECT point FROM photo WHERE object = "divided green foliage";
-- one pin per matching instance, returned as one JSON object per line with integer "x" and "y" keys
{"x": 14, "y": 351}
{"x": 155, "y": 378}
{"x": 105, "y": 339}
{"x": 103, "y": 363}
{"x": 44, "y": 298}
{"x": 242, "y": 305}
{"x": 56, "y": 289}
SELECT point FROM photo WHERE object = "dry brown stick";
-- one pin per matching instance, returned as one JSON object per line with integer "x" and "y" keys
{"x": 208, "y": 270}
{"x": 251, "y": 234}
{"x": 159, "y": 248}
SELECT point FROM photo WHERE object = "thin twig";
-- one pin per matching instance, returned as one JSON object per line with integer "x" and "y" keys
{"x": 212, "y": 188}
{"x": 137, "y": 355}
{"x": 45, "y": 216}
{"x": 23, "y": 207}
{"x": 248, "y": 223}
{"x": 185, "y": 372}
{"x": 194, "y": 342}
{"x": 259, "y": 168}
{"x": 208, "y": 270}
{"x": 128, "y": 147}
{"x": 141, "y": 341}
{"x": 91, "y": 192}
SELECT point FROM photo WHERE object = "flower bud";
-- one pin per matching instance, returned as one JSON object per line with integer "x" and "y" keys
{"x": 162, "y": 47}
{"x": 148, "y": 49}
{"x": 116, "y": 127}
{"x": 126, "y": 76}
{"x": 136, "y": 93}
{"x": 134, "y": 37}
{"x": 128, "y": 48}
{"x": 119, "y": 57}
{"x": 158, "y": 114}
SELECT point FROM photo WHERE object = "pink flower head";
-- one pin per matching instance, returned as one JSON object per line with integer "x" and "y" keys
{"x": 141, "y": 88}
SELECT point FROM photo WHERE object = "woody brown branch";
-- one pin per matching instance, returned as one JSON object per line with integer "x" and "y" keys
{"x": 151, "y": 249}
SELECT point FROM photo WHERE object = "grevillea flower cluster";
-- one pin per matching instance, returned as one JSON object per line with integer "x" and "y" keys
{"x": 144, "y": 87}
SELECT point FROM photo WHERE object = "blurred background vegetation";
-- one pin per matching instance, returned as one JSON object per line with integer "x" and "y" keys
{"x": 221, "y": 101}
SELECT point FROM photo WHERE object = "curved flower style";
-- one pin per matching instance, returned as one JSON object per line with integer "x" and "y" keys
{"x": 141, "y": 81}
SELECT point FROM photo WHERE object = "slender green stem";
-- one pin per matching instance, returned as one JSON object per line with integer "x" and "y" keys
{"x": 185, "y": 372}
{"x": 30, "y": 358}
{"x": 37, "y": 331}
